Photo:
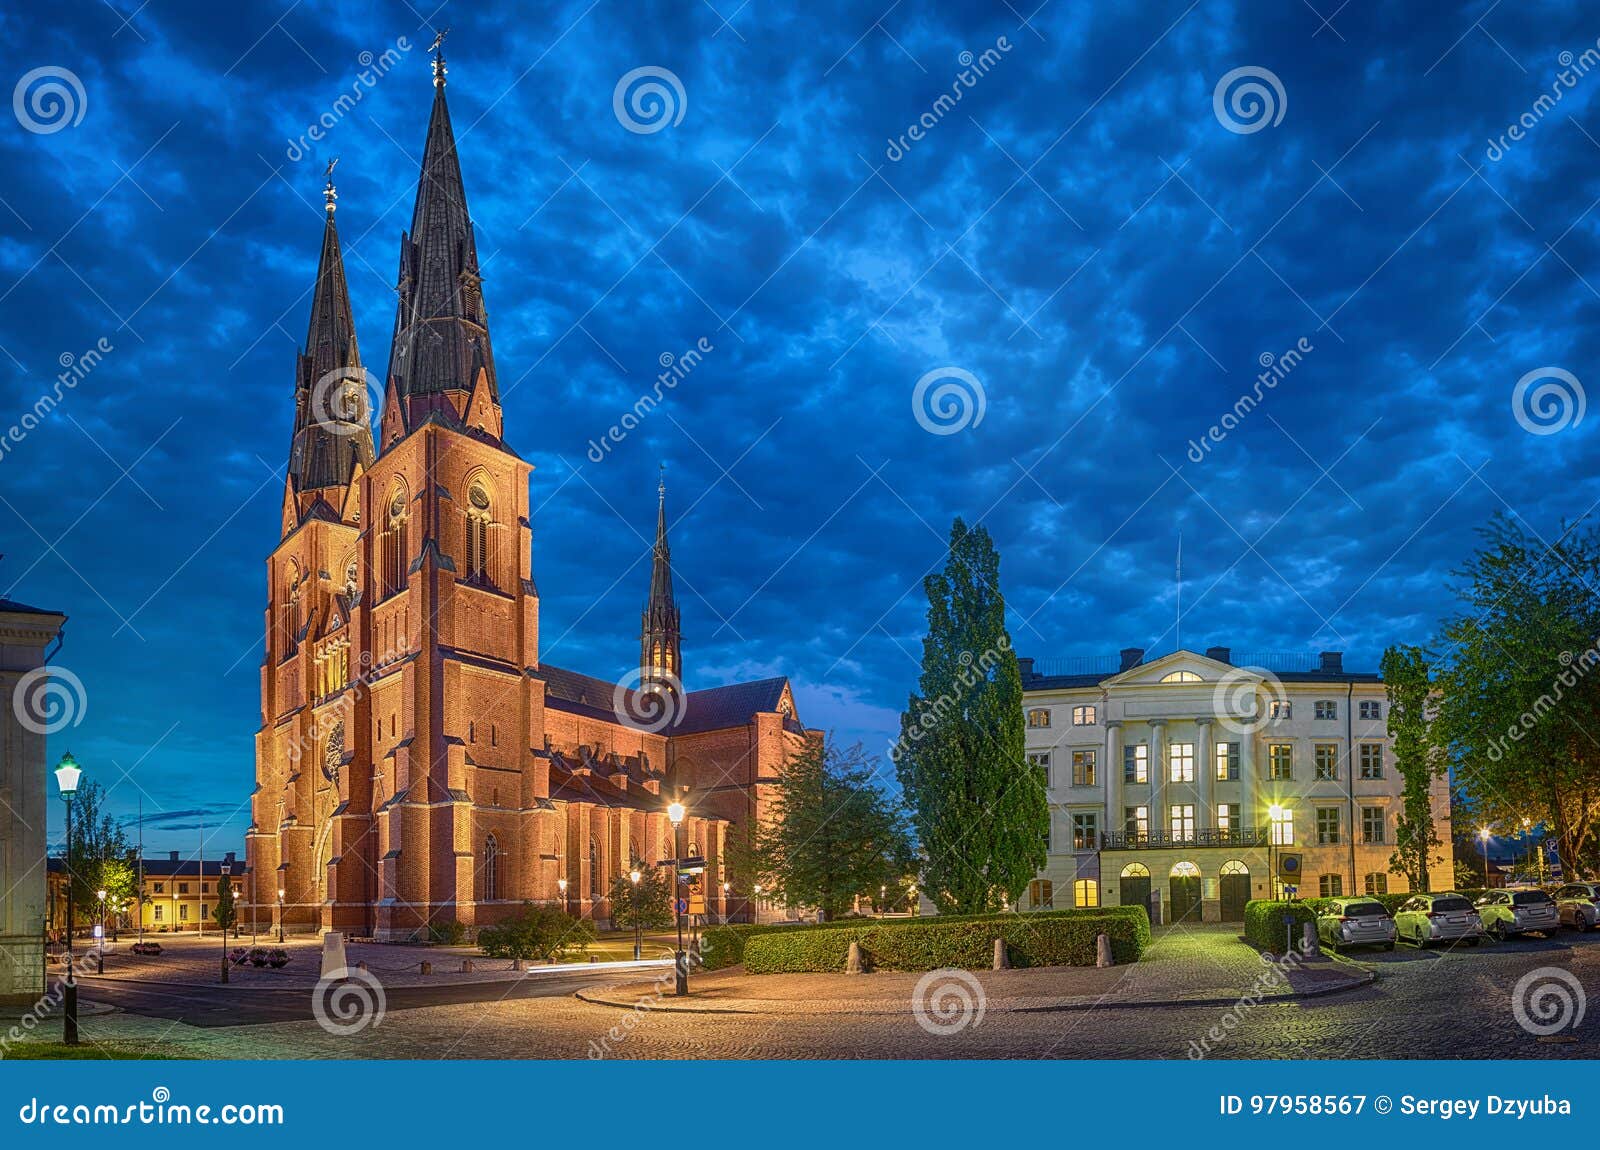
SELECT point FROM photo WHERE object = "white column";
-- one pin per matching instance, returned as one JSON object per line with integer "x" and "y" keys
{"x": 1113, "y": 776}
{"x": 1158, "y": 776}
{"x": 1206, "y": 770}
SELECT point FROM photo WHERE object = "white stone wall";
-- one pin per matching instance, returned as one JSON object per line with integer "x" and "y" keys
{"x": 23, "y": 798}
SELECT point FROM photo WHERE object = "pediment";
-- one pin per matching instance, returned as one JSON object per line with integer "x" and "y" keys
{"x": 1159, "y": 671}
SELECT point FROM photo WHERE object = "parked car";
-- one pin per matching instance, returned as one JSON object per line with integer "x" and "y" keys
{"x": 1356, "y": 922}
{"x": 1578, "y": 904}
{"x": 1508, "y": 912}
{"x": 1429, "y": 918}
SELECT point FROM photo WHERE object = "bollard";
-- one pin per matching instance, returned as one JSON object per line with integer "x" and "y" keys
{"x": 1102, "y": 950}
{"x": 852, "y": 965}
{"x": 1308, "y": 944}
{"x": 1002, "y": 961}
{"x": 516, "y": 964}
{"x": 466, "y": 966}
{"x": 427, "y": 968}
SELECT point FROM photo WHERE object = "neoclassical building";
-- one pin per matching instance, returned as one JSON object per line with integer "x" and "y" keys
{"x": 1187, "y": 782}
{"x": 418, "y": 763}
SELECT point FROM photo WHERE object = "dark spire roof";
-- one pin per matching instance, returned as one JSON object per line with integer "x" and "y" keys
{"x": 659, "y": 641}
{"x": 333, "y": 419}
{"x": 441, "y": 335}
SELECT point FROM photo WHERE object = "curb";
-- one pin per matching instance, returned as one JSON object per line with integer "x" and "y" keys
{"x": 591, "y": 995}
{"x": 511, "y": 976}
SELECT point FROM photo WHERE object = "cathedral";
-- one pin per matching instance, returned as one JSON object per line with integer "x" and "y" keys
{"x": 418, "y": 765}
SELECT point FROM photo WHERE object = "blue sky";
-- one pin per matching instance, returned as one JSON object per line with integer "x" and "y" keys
{"x": 1082, "y": 235}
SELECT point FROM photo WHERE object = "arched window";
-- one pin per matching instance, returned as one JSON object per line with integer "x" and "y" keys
{"x": 477, "y": 522}
{"x": 1136, "y": 870}
{"x": 491, "y": 869}
{"x": 633, "y": 852}
{"x": 291, "y": 608}
{"x": 1181, "y": 677}
{"x": 393, "y": 542}
{"x": 1086, "y": 892}
{"x": 352, "y": 576}
{"x": 596, "y": 877}
{"x": 1185, "y": 870}
{"x": 1041, "y": 894}
{"x": 1235, "y": 867}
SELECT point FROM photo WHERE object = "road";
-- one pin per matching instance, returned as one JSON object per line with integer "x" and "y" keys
{"x": 1431, "y": 1004}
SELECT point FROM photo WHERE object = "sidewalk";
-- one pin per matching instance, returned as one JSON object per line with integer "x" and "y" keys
{"x": 1186, "y": 966}
{"x": 188, "y": 961}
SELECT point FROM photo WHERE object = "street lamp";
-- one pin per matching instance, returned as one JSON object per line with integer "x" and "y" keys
{"x": 726, "y": 887}
{"x": 100, "y": 943}
{"x": 1483, "y": 836}
{"x": 561, "y": 885}
{"x": 675, "y": 814}
{"x": 633, "y": 877}
{"x": 280, "y": 914}
{"x": 911, "y": 900}
{"x": 67, "y": 774}
{"x": 755, "y": 905}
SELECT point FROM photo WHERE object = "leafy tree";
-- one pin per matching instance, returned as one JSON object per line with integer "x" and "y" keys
{"x": 96, "y": 839}
{"x": 227, "y": 914}
{"x": 119, "y": 878}
{"x": 649, "y": 906}
{"x": 834, "y": 833}
{"x": 980, "y": 812}
{"x": 1409, "y": 681}
{"x": 537, "y": 931}
{"x": 1519, "y": 699}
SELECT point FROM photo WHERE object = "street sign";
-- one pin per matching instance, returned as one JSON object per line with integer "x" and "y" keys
{"x": 683, "y": 906}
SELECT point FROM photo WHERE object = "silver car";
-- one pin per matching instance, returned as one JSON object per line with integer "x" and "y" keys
{"x": 1430, "y": 918}
{"x": 1578, "y": 903}
{"x": 1508, "y": 912}
{"x": 1356, "y": 922}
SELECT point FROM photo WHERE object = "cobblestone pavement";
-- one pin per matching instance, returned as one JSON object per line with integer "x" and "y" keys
{"x": 1425, "y": 1004}
{"x": 1202, "y": 964}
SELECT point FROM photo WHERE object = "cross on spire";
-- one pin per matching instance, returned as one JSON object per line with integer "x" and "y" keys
{"x": 437, "y": 48}
{"x": 329, "y": 193}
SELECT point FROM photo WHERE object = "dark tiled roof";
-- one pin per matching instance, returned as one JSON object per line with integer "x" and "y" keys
{"x": 163, "y": 867}
{"x": 23, "y": 609}
{"x": 569, "y": 786}
{"x": 717, "y": 708}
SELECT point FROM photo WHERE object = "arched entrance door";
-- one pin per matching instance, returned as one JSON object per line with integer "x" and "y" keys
{"x": 1235, "y": 890}
{"x": 1184, "y": 884}
{"x": 1134, "y": 887}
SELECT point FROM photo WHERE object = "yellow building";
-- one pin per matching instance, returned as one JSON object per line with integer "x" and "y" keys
{"x": 180, "y": 894}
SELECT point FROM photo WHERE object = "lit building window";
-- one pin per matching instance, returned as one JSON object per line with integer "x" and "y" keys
{"x": 1136, "y": 821}
{"x": 1180, "y": 762}
{"x": 1039, "y": 717}
{"x": 1041, "y": 894}
{"x": 1086, "y": 892}
{"x": 1083, "y": 768}
{"x": 1227, "y": 761}
{"x": 1371, "y": 709}
{"x": 1282, "y": 826}
{"x": 1136, "y": 763}
{"x": 1372, "y": 824}
{"x": 1327, "y": 709}
{"x": 1327, "y": 826}
{"x": 1181, "y": 677}
{"x": 1180, "y": 822}
{"x": 1280, "y": 709}
{"x": 1085, "y": 830}
{"x": 1327, "y": 760}
{"x": 1372, "y": 760}
{"x": 1280, "y": 761}
{"x": 1083, "y": 716}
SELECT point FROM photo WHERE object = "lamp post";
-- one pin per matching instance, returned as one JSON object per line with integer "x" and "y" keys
{"x": 675, "y": 814}
{"x": 1483, "y": 837}
{"x": 755, "y": 904}
{"x": 911, "y": 900}
{"x": 100, "y": 943}
{"x": 67, "y": 773}
{"x": 561, "y": 885}
{"x": 726, "y": 887}
{"x": 633, "y": 877}
{"x": 280, "y": 914}
{"x": 883, "y": 899}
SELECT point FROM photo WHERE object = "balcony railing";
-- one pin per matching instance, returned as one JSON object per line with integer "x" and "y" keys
{"x": 1161, "y": 840}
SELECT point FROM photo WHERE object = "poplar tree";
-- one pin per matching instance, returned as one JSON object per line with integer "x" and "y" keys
{"x": 981, "y": 814}
{"x": 1409, "y": 683}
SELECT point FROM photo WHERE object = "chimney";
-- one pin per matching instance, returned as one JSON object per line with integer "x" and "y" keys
{"x": 228, "y": 858}
{"x": 1131, "y": 658}
{"x": 1331, "y": 662}
{"x": 1026, "y": 667}
{"x": 1220, "y": 654}
{"x": 174, "y": 856}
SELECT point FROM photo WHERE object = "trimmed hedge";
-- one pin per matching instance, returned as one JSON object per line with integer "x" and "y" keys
{"x": 724, "y": 946}
{"x": 1046, "y": 938}
{"x": 1264, "y": 925}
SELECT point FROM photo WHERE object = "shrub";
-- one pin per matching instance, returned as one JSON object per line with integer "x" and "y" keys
{"x": 148, "y": 948}
{"x": 446, "y": 933}
{"x": 238, "y": 955}
{"x": 277, "y": 958}
{"x": 258, "y": 956}
{"x": 1063, "y": 938}
{"x": 724, "y": 946}
{"x": 1264, "y": 925}
{"x": 537, "y": 931}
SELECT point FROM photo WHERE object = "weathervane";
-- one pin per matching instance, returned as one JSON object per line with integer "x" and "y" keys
{"x": 661, "y": 487}
{"x": 328, "y": 192}
{"x": 437, "y": 48}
